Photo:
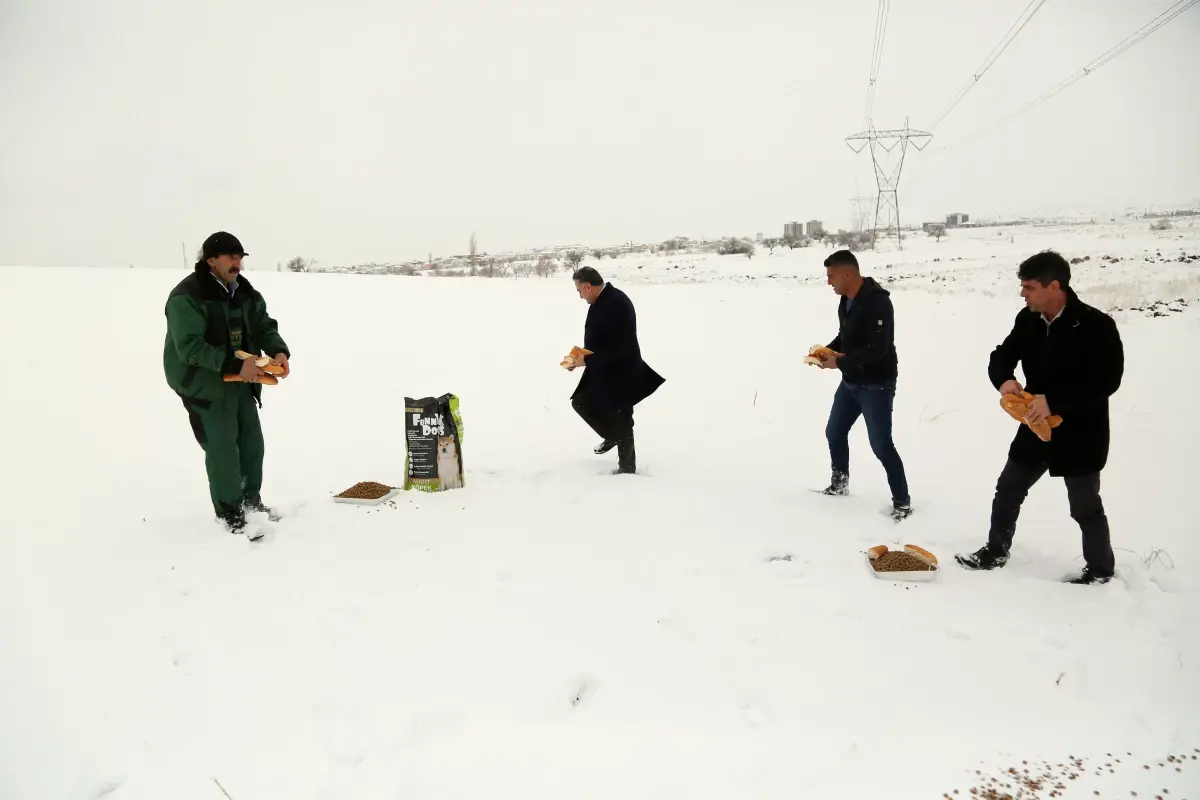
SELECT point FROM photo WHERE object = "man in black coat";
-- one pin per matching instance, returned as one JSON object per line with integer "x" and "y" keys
{"x": 1073, "y": 360}
{"x": 615, "y": 378}
{"x": 868, "y": 364}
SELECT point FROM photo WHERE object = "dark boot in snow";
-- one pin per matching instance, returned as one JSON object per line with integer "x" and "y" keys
{"x": 901, "y": 511}
{"x": 234, "y": 521}
{"x": 604, "y": 447}
{"x": 256, "y": 504}
{"x": 1088, "y": 577}
{"x": 838, "y": 487}
{"x": 626, "y": 457}
{"x": 983, "y": 558}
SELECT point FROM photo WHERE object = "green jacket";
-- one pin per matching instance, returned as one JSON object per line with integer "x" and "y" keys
{"x": 205, "y": 324}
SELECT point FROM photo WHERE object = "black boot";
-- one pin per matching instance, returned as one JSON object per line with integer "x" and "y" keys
{"x": 985, "y": 557}
{"x": 626, "y": 457}
{"x": 256, "y": 504}
{"x": 1089, "y": 577}
{"x": 234, "y": 521}
{"x": 839, "y": 486}
{"x": 604, "y": 447}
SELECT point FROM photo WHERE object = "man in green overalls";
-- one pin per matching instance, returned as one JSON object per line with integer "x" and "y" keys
{"x": 210, "y": 314}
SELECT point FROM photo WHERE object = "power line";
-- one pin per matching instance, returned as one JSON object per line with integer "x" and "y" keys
{"x": 881, "y": 15}
{"x": 1100, "y": 61}
{"x": 1013, "y": 30}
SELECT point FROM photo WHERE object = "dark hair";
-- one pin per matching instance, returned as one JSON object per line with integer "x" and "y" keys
{"x": 1045, "y": 268}
{"x": 842, "y": 258}
{"x": 588, "y": 275}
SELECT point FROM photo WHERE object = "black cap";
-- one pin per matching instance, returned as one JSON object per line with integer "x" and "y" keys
{"x": 222, "y": 244}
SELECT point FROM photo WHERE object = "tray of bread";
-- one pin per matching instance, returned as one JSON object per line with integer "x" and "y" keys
{"x": 913, "y": 563}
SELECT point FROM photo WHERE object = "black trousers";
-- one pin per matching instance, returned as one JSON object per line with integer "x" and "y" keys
{"x": 612, "y": 426}
{"x": 1083, "y": 494}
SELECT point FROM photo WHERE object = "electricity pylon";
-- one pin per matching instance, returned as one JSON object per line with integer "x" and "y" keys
{"x": 887, "y": 202}
{"x": 860, "y": 212}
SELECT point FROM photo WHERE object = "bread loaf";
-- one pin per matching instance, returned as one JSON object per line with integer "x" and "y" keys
{"x": 262, "y": 362}
{"x": 572, "y": 359}
{"x": 269, "y": 380}
{"x": 816, "y": 353}
{"x": 922, "y": 554}
{"x": 1017, "y": 406}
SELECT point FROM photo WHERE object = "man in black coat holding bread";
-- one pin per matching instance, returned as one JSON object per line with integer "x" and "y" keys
{"x": 615, "y": 377}
{"x": 1073, "y": 360}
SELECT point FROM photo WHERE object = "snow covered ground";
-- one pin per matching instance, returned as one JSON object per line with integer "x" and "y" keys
{"x": 707, "y": 629}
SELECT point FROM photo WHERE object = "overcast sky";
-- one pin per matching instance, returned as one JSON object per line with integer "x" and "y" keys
{"x": 382, "y": 130}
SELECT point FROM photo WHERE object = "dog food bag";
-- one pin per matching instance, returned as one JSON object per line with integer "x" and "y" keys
{"x": 433, "y": 434}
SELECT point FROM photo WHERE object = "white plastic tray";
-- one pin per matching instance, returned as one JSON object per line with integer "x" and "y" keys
{"x": 359, "y": 501}
{"x": 922, "y": 576}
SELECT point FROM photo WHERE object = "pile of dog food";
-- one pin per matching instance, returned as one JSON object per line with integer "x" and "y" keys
{"x": 899, "y": 561}
{"x": 366, "y": 490}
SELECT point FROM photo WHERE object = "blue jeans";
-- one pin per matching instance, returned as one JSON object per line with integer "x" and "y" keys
{"x": 874, "y": 403}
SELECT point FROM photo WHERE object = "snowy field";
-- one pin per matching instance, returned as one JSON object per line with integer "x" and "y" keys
{"x": 707, "y": 629}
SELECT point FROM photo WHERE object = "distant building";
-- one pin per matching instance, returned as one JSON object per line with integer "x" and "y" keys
{"x": 928, "y": 226}
{"x": 814, "y": 228}
{"x": 793, "y": 230}
{"x": 758, "y": 237}
{"x": 954, "y": 220}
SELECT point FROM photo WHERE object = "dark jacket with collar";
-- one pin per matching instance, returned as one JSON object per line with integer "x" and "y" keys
{"x": 1077, "y": 362}
{"x": 614, "y": 375}
{"x": 866, "y": 336}
{"x": 205, "y": 324}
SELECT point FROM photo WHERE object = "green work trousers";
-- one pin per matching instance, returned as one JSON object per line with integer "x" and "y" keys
{"x": 228, "y": 430}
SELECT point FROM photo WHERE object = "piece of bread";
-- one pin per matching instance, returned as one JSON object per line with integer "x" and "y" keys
{"x": 1017, "y": 406}
{"x": 877, "y": 551}
{"x": 269, "y": 380}
{"x": 262, "y": 362}
{"x": 573, "y": 357}
{"x": 922, "y": 554}
{"x": 816, "y": 352}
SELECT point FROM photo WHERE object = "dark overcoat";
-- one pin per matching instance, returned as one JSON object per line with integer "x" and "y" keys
{"x": 614, "y": 375}
{"x": 1077, "y": 362}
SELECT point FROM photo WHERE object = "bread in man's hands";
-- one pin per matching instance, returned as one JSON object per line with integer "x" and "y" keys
{"x": 817, "y": 352}
{"x": 269, "y": 380}
{"x": 1017, "y": 406}
{"x": 573, "y": 357}
{"x": 262, "y": 362}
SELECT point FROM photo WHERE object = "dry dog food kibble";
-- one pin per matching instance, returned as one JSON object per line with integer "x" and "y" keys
{"x": 366, "y": 490}
{"x": 899, "y": 561}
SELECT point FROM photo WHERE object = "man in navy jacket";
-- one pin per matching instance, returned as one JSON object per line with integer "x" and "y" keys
{"x": 615, "y": 377}
{"x": 868, "y": 365}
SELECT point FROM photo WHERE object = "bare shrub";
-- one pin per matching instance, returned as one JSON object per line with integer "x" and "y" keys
{"x": 735, "y": 246}
{"x": 573, "y": 259}
{"x": 299, "y": 264}
{"x": 937, "y": 231}
{"x": 855, "y": 240}
{"x": 1163, "y": 224}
